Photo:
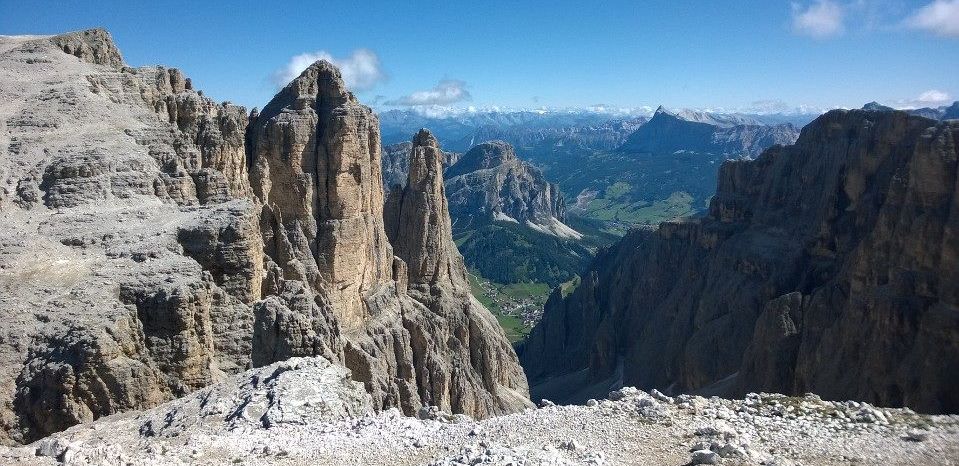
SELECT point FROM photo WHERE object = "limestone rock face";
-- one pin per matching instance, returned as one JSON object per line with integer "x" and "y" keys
{"x": 828, "y": 266}
{"x": 489, "y": 180}
{"x": 138, "y": 263}
{"x": 405, "y": 325}
{"x": 418, "y": 219}
{"x": 396, "y": 163}
{"x": 454, "y": 332}
{"x": 317, "y": 169}
{"x": 130, "y": 256}
{"x": 92, "y": 45}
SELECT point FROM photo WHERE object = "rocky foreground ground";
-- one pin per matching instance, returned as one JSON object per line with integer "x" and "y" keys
{"x": 308, "y": 411}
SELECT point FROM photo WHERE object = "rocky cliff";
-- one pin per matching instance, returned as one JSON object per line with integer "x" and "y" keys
{"x": 344, "y": 295}
{"x": 130, "y": 254}
{"x": 396, "y": 163}
{"x": 489, "y": 181}
{"x": 828, "y": 266}
{"x": 493, "y": 180}
{"x": 154, "y": 242}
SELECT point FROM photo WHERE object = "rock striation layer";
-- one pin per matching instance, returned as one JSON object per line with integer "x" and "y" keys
{"x": 139, "y": 263}
{"x": 130, "y": 255}
{"x": 406, "y": 325}
{"x": 828, "y": 266}
{"x": 490, "y": 181}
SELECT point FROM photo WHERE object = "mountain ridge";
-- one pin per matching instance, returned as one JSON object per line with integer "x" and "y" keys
{"x": 184, "y": 241}
{"x": 798, "y": 253}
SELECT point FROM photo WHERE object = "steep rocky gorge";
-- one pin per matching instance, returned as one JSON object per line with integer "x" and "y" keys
{"x": 155, "y": 241}
{"x": 829, "y": 266}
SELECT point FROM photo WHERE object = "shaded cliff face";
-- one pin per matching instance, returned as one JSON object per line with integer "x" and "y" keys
{"x": 828, "y": 266}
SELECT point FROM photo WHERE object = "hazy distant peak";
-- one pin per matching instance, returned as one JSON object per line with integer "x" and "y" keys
{"x": 876, "y": 106}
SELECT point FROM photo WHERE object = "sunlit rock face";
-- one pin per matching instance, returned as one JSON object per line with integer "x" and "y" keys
{"x": 154, "y": 242}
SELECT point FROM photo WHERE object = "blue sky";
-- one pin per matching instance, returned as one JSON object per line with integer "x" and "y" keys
{"x": 731, "y": 55}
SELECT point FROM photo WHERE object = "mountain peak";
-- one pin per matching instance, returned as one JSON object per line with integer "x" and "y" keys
{"x": 490, "y": 154}
{"x": 91, "y": 45}
{"x": 424, "y": 138}
{"x": 876, "y": 106}
{"x": 319, "y": 86}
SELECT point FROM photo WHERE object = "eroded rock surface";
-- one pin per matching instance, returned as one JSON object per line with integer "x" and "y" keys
{"x": 308, "y": 411}
{"x": 406, "y": 325}
{"x": 138, "y": 263}
{"x": 828, "y": 266}
{"x": 396, "y": 163}
{"x": 490, "y": 181}
{"x": 111, "y": 178}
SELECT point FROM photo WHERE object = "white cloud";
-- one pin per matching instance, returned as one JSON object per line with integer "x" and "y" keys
{"x": 940, "y": 17}
{"x": 931, "y": 98}
{"x": 820, "y": 20}
{"x": 361, "y": 70}
{"x": 768, "y": 106}
{"x": 446, "y": 92}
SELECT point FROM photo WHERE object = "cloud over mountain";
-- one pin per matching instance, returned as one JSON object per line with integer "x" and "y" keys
{"x": 361, "y": 70}
{"x": 446, "y": 92}
{"x": 931, "y": 98}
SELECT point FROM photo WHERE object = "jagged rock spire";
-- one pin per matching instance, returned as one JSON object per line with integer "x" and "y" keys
{"x": 418, "y": 222}
{"x": 316, "y": 169}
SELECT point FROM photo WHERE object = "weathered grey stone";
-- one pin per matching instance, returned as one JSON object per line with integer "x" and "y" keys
{"x": 411, "y": 331}
{"x": 491, "y": 180}
{"x": 828, "y": 266}
{"x": 137, "y": 262}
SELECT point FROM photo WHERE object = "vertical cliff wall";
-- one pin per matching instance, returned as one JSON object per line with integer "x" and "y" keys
{"x": 406, "y": 324}
{"x": 828, "y": 266}
{"x": 153, "y": 242}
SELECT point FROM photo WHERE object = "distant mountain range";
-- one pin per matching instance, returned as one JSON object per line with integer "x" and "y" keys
{"x": 945, "y": 112}
{"x": 731, "y": 136}
{"x": 530, "y": 130}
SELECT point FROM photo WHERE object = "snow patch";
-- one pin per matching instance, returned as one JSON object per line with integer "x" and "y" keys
{"x": 556, "y": 228}
{"x": 503, "y": 217}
